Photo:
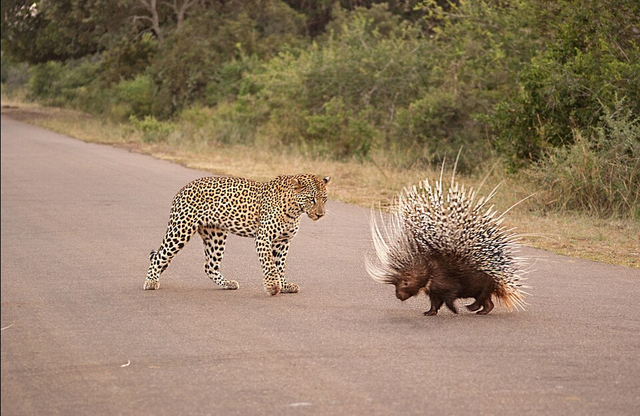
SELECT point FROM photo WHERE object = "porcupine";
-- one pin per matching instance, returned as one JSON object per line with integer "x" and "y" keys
{"x": 451, "y": 246}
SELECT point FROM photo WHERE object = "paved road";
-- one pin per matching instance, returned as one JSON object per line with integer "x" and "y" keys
{"x": 81, "y": 337}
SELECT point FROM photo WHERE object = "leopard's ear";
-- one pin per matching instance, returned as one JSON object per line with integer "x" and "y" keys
{"x": 326, "y": 180}
{"x": 297, "y": 185}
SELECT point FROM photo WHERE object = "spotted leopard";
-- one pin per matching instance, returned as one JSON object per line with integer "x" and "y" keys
{"x": 270, "y": 212}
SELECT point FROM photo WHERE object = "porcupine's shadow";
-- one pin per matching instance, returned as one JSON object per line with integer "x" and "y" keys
{"x": 412, "y": 315}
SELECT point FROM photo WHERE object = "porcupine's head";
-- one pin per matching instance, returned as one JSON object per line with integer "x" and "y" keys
{"x": 399, "y": 261}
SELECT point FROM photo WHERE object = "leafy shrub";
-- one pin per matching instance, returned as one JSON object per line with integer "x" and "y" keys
{"x": 152, "y": 129}
{"x": 45, "y": 81}
{"x": 228, "y": 81}
{"x": 591, "y": 61}
{"x": 128, "y": 58}
{"x": 337, "y": 131}
{"x": 435, "y": 126}
{"x": 423, "y": 96}
{"x": 599, "y": 172}
{"x": 337, "y": 95}
{"x": 138, "y": 95}
{"x": 228, "y": 122}
{"x": 203, "y": 62}
{"x": 72, "y": 85}
{"x": 15, "y": 76}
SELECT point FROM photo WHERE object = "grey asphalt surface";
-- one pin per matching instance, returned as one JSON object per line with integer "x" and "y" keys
{"x": 81, "y": 337}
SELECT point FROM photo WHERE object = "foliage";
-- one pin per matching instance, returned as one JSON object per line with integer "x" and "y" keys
{"x": 152, "y": 129}
{"x": 539, "y": 84}
{"x": 593, "y": 59}
{"x": 128, "y": 58}
{"x": 40, "y": 31}
{"x": 44, "y": 82}
{"x": 14, "y": 75}
{"x": 599, "y": 172}
{"x": 72, "y": 85}
{"x": 202, "y": 62}
{"x": 320, "y": 13}
{"x": 229, "y": 123}
{"x": 337, "y": 131}
{"x": 138, "y": 95}
{"x": 228, "y": 82}
{"x": 349, "y": 83}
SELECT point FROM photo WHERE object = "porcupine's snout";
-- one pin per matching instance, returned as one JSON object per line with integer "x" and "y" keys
{"x": 409, "y": 282}
{"x": 402, "y": 295}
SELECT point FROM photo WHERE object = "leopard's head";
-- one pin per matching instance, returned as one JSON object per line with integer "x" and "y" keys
{"x": 311, "y": 194}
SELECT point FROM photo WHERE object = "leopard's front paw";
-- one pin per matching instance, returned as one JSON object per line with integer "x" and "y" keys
{"x": 151, "y": 284}
{"x": 290, "y": 288}
{"x": 230, "y": 285}
{"x": 272, "y": 288}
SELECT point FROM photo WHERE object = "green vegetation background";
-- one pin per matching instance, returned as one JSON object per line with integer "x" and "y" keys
{"x": 549, "y": 90}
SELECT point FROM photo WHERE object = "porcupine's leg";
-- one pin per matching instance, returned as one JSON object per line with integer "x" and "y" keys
{"x": 449, "y": 301}
{"x": 479, "y": 301}
{"x": 486, "y": 307}
{"x": 474, "y": 306}
{"x": 214, "y": 240}
{"x": 436, "y": 303}
{"x": 483, "y": 300}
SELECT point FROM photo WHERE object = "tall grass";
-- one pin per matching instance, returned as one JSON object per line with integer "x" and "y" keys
{"x": 599, "y": 173}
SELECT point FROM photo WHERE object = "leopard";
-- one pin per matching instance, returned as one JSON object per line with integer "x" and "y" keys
{"x": 270, "y": 212}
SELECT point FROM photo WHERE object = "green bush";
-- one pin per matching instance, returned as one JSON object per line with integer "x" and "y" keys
{"x": 138, "y": 95}
{"x": 233, "y": 122}
{"x": 424, "y": 97}
{"x": 337, "y": 131}
{"x": 128, "y": 58}
{"x": 337, "y": 96}
{"x": 15, "y": 75}
{"x": 435, "y": 126}
{"x": 599, "y": 172}
{"x": 45, "y": 81}
{"x": 228, "y": 81}
{"x": 591, "y": 61}
{"x": 152, "y": 129}
{"x": 204, "y": 61}
{"x": 75, "y": 85}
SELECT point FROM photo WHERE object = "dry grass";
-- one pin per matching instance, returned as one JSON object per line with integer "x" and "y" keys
{"x": 366, "y": 184}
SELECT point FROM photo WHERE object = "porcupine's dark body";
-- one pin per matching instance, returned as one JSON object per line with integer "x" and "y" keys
{"x": 444, "y": 244}
{"x": 451, "y": 280}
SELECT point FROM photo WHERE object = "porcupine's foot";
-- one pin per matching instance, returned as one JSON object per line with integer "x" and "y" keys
{"x": 436, "y": 303}
{"x": 288, "y": 287}
{"x": 451, "y": 305}
{"x": 486, "y": 308}
{"x": 483, "y": 300}
{"x": 474, "y": 306}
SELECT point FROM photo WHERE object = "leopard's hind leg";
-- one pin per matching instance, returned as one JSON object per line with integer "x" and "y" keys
{"x": 214, "y": 240}
{"x": 174, "y": 240}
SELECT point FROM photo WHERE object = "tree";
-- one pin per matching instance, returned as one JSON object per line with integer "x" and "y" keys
{"x": 41, "y": 31}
